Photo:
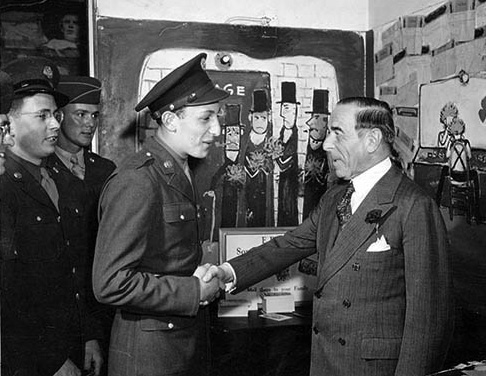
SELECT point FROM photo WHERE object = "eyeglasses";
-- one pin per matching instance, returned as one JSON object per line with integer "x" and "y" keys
{"x": 45, "y": 115}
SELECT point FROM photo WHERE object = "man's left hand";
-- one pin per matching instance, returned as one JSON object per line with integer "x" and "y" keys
{"x": 93, "y": 358}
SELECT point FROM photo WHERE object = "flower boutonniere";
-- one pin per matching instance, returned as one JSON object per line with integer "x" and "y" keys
{"x": 374, "y": 216}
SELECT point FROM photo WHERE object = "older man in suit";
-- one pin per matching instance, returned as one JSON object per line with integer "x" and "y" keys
{"x": 383, "y": 303}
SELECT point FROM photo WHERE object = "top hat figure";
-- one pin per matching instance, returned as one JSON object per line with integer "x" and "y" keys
{"x": 232, "y": 115}
{"x": 288, "y": 93}
{"x": 320, "y": 102}
{"x": 260, "y": 103}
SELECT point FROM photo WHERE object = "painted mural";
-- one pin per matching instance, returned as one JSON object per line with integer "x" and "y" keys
{"x": 267, "y": 168}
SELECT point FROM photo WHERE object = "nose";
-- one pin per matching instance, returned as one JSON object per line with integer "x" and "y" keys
{"x": 328, "y": 144}
{"x": 215, "y": 127}
{"x": 54, "y": 124}
{"x": 90, "y": 121}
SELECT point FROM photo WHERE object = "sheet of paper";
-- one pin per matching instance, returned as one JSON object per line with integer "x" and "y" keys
{"x": 275, "y": 316}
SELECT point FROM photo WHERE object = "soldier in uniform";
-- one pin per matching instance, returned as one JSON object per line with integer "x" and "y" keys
{"x": 149, "y": 246}
{"x": 75, "y": 168}
{"x": 46, "y": 327}
{"x": 6, "y": 94}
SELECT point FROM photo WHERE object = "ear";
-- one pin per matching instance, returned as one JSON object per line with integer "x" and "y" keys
{"x": 169, "y": 121}
{"x": 373, "y": 139}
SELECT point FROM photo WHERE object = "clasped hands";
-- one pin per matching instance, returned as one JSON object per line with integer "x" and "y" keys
{"x": 212, "y": 280}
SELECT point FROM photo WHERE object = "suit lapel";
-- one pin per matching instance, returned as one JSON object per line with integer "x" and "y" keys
{"x": 357, "y": 231}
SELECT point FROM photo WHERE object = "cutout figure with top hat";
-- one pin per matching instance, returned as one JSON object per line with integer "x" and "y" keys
{"x": 258, "y": 166}
{"x": 230, "y": 174}
{"x": 288, "y": 184}
{"x": 316, "y": 167}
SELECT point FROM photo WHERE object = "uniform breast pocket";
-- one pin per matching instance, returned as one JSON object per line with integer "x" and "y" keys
{"x": 38, "y": 237}
{"x": 179, "y": 212}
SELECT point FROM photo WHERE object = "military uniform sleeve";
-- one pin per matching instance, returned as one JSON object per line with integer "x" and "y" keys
{"x": 130, "y": 215}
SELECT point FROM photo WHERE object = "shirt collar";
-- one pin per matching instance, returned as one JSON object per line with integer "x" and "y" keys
{"x": 364, "y": 182}
{"x": 65, "y": 156}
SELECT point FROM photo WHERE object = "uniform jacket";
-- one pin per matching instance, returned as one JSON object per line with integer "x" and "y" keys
{"x": 147, "y": 249}
{"x": 44, "y": 315}
{"x": 374, "y": 313}
{"x": 82, "y": 233}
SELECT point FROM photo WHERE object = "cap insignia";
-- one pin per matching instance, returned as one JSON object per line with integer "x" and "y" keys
{"x": 171, "y": 107}
{"x": 192, "y": 97}
{"x": 47, "y": 71}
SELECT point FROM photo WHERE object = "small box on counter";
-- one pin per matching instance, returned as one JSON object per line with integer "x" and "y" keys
{"x": 273, "y": 302}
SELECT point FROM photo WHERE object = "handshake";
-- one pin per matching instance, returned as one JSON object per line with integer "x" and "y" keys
{"x": 212, "y": 279}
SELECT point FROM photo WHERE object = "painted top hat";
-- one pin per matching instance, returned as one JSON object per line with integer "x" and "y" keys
{"x": 320, "y": 102}
{"x": 288, "y": 93}
{"x": 232, "y": 115}
{"x": 260, "y": 103}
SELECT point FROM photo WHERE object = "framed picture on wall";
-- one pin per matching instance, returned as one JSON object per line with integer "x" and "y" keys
{"x": 56, "y": 30}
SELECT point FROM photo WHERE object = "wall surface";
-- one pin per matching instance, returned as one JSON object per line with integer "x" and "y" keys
{"x": 314, "y": 14}
{"x": 384, "y": 11}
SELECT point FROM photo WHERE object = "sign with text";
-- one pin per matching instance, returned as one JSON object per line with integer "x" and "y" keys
{"x": 299, "y": 279}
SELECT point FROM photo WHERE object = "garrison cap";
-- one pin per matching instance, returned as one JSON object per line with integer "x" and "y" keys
{"x": 6, "y": 92}
{"x": 187, "y": 85}
{"x": 33, "y": 75}
{"x": 80, "y": 89}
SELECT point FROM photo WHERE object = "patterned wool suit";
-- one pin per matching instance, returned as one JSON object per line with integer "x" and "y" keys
{"x": 374, "y": 313}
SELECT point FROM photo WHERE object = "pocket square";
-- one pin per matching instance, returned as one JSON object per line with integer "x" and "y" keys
{"x": 379, "y": 246}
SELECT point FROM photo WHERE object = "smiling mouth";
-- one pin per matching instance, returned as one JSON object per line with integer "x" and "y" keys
{"x": 52, "y": 139}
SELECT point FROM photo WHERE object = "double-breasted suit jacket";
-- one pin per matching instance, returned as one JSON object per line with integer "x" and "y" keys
{"x": 374, "y": 313}
{"x": 147, "y": 249}
{"x": 45, "y": 320}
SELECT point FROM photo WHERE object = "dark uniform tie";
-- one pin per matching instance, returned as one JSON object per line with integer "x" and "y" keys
{"x": 343, "y": 210}
{"x": 49, "y": 186}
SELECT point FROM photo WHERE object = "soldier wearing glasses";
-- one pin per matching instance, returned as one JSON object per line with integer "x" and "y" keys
{"x": 46, "y": 329}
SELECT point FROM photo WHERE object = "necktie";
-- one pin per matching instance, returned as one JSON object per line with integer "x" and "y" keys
{"x": 76, "y": 168}
{"x": 187, "y": 171}
{"x": 49, "y": 186}
{"x": 343, "y": 210}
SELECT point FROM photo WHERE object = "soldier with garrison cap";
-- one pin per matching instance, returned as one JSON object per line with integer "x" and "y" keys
{"x": 79, "y": 171}
{"x": 149, "y": 246}
{"x": 46, "y": 327}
